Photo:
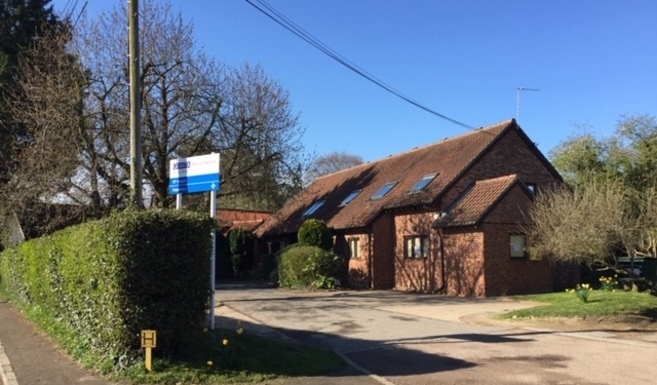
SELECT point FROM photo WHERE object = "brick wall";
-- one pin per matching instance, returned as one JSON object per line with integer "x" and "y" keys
{"x": 358, "y": 269}
{"x": 464, "y": 262}
{"x": 417, "y": 274}
{"x": 510, "y": 155}
{"x": 504, "y": 274}
{"x": 383, "y": 252}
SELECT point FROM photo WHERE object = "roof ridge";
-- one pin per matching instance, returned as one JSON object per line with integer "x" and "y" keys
{"x": 497, "y": 178}
{"x": 444, "y": 140}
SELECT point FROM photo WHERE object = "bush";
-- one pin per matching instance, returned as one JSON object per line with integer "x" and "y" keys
{"x": 241, "y": 252}
{"x": 314, "y": 232}
{"x": 108, "y": 280}
{"x": 308, "y": 267}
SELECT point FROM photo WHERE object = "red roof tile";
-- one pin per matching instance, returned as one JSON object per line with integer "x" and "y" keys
{"x": 476, "y": 201}
{"x": 448, "y": 158}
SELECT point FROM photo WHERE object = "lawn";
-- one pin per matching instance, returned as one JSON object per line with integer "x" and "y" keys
{"x": 227, "y": 356}
{"x": 217, "y": 356}
{"x": 599, "y": 303}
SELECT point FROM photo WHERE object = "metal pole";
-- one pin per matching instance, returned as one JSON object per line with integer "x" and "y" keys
{"x": 135, "y": 106}
{"x": 178, "y": 201}
{"x": 213, "y": 215}
{"x": 518, "y": 90}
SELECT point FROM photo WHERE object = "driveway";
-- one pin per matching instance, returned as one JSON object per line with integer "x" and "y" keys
{"x": 400, "y": 338}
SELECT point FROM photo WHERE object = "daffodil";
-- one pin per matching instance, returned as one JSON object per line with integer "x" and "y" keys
{"x": 210, "y": 362}
{"x": 224, "y": 342}
{"x": 240, "y": 331}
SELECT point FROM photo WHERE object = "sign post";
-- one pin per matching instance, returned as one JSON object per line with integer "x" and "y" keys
{"x": 148, "y": 342}
{"x": 193, "y": 175}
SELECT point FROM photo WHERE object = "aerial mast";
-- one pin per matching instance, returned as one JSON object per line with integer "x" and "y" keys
{"x": 518, "y": 99}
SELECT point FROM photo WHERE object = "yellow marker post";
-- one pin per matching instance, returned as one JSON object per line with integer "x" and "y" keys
{"x": 148, "y": 341}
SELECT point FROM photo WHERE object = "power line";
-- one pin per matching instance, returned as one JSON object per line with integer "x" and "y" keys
{"x": 288, "y": 24}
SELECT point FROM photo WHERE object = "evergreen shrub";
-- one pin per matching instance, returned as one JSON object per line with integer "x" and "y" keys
{"x": 308, "y": 267}
{"x": 315, "y": 232}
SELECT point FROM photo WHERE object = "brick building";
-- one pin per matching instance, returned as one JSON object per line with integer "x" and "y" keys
{"x": 447, "y": 217}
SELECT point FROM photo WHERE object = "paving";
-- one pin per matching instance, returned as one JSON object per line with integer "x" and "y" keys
{"x": 386, "y": 337}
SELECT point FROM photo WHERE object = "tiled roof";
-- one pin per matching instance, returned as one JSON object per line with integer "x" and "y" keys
{"x": 476, "y": 201}
{"x": 245, "y": 219}
{"x": 448, "y": 158}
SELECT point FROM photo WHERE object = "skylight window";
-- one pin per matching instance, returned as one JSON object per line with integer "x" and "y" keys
{"x": 350, "y": 197}
{"x": 384, "y": 190}
{"x": 422, "y": 183}
{"x": 311, "y": 210}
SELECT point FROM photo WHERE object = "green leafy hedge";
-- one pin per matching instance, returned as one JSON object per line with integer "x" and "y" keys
{"x": 108, "y": 280}
{"x": 315, "y": 232}
{"x": 308, "y": 267}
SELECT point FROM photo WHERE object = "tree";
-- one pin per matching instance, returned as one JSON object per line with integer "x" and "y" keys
{"x": 611, "y": 204}
{"x": 330, "y": 163}
{"x": 46, "y": 104}
{"x": 22, "y": 23}
{"x": 584, "y": 225}
{"x": 629, "y": 154}
{"x": 580, "y": 159}
{"x": 191, "y": 106}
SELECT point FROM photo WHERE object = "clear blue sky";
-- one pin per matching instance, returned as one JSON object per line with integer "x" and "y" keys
{"x": 593, "y": 61}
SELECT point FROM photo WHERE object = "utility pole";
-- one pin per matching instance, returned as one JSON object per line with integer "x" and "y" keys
{"x": 135, "y": 106}
{"x": 518, "y": 99}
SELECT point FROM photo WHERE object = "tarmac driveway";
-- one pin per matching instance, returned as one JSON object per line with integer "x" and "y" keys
{"x": 400, "y": 338}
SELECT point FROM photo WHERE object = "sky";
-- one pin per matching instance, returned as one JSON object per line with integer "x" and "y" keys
{"x": 592, "y": 61}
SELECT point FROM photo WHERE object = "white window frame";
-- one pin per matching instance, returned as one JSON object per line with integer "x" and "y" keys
{"x": 354, "y": 248}
{"x": 517, "y": 246}
{"x": 416, "y": 246}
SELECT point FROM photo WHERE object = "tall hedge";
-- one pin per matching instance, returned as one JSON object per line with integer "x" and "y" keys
{"x": 315, "y": 232}
{"x": 108, "y": 280}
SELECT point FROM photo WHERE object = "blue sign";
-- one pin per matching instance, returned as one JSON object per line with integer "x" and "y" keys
{"x": 195, "y": 174}
{"x": 194, "y": 184}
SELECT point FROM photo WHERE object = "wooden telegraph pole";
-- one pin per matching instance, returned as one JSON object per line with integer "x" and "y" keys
{"x": 135, "y": 106}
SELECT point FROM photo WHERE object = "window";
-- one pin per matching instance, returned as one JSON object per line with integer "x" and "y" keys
{"x": 350, "y": 197}
{"x": 313, "y": 208}
{"x": 416, "y": 246}
{"x": 422, "y": 183}
{"x": 354, "y": 248}
{"x": 532, "y": 187}
{"x": 517, "y": 244}
{"x": 384, "y": 190}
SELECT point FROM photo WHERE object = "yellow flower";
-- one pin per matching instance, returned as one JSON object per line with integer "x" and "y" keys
{"x": 224, "y": 342}
{"x": 210, "y": 363}
{"x": 240, "y": 331}
{"x": 205, "y": 330}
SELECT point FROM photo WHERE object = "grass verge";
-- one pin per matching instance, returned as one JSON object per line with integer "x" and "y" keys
{"x": 212, "y": 357}
{"x": 600, "y": 303}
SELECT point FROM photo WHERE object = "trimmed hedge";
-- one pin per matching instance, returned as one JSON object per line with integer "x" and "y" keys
{"x": 315, "y": 232}
{"x": 107, "y": 280}
{"x": 308, "y": 267}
